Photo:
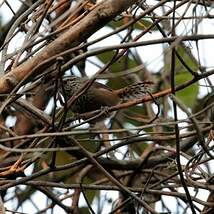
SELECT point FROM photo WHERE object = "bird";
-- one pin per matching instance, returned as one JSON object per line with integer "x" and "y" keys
{"x": 100, "y": 95}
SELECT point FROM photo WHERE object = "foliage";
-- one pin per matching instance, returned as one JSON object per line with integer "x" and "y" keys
{"x": 145, "y": 150}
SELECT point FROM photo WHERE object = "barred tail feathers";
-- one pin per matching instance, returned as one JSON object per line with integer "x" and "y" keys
{"x": 134, "y": 91}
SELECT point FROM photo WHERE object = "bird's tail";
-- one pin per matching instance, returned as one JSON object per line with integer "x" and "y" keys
{"x": 135, "y": 91}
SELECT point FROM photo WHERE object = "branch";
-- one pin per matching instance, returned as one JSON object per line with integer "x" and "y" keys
{"x": 95, "y": 20}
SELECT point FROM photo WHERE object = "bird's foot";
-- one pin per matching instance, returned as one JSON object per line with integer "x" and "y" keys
{"x": 77, "y": 117}
{"x": 105, "y": 111}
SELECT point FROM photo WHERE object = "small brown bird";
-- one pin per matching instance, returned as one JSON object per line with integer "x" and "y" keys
{"x": 100, "y": 95}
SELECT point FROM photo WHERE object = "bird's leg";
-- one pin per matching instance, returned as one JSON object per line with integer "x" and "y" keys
{"x": 105, "y": 111}
{"x": 77, "y": 116}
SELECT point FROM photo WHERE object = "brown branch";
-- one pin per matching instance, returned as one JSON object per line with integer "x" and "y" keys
{"x": 95, "y": 20}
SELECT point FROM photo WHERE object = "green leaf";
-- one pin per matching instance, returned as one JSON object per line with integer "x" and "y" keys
{"x": 90, "y": 194}
{"x": 125, "y": 62}
{"x": 187, "y": 57}
{"x": 141, "y": 24}
{"x": 183, "y": 74}
{"x": 189, "y": 94}
{"x": 84, "y": 210}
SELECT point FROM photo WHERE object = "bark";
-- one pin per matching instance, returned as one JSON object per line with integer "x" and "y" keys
{"x": 95, "y": 20}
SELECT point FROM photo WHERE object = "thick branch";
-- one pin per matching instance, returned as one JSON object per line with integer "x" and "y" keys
{"x": 96, "y": 19}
